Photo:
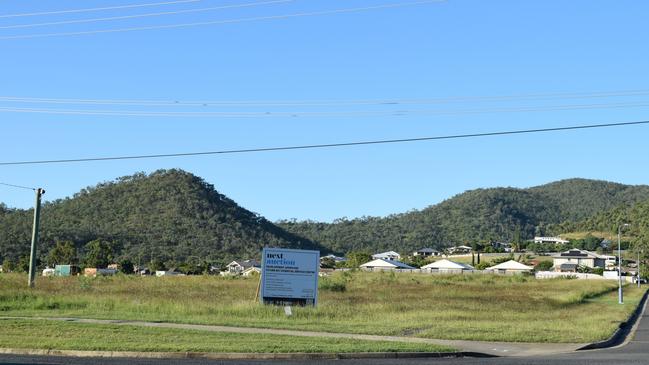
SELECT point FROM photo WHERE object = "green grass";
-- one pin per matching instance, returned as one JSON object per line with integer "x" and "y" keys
{"x": 43, "y": 334}
{"x": 471, "y": 307}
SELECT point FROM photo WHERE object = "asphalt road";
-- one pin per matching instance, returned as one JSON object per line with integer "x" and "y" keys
{"x": 635, "y": 352}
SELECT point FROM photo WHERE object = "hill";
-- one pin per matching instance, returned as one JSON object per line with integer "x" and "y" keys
{"x": 480, "y": 215}
{"x": 169, "y": 215}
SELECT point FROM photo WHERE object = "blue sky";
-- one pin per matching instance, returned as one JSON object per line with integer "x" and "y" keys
{"x": 451, "y": 49}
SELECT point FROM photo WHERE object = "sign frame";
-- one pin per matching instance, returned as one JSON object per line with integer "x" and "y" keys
{"x": 289, "y": 276}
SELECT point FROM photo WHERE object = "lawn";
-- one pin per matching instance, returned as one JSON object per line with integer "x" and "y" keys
{"x": 35, "y": 334}
{"x": 472, "y": 307}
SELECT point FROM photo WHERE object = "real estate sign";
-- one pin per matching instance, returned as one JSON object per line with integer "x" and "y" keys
{"x": 289, "y": 277}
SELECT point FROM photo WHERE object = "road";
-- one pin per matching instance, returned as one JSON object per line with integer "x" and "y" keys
{"x": 634, "y": 352}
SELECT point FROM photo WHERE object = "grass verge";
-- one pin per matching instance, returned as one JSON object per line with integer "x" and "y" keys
{"x": 44, "y": 334}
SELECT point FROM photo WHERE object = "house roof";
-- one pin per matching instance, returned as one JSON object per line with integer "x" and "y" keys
{"x": 387, "y": 253}
{"x": 510, "y": 265}
{"x": 462, "y": 247}
{"x": 577, "y": 253}
{"x": 426, "y": 250}
{"x": 447, "y": 264}
{"x": 392, "y": 264}
{"x": 244, "y": 263}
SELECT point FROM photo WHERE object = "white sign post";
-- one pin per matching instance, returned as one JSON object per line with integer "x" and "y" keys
{"x": 289, "y": 277}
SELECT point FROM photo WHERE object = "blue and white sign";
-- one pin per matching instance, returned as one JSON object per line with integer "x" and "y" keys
{"x": 289, "y": 277}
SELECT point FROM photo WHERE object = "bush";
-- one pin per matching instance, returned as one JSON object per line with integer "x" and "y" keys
{"x": 332, "y": 285}
{"x": 544, "y": 266}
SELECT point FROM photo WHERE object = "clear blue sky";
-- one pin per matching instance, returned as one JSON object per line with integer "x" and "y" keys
{"x": 456, "y": 48}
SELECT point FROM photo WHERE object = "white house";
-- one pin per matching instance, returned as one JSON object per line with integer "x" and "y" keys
{"x": 550, "y": 240}
{"x": 569, "y": 261}
{"x": 459, "y": 250}
{"x": 251, "y": 271}
{"x": 333, "y": 257}
{"x": 237, "y": 267}
{"x": 510, "y": 267}
{"x": 426, "y": 252}
{"x": 447, "y": 267}
{"x": 388, "y": 255}
{"x": 381, "y": 265}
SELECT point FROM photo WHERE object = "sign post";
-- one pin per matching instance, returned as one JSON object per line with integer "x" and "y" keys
{"x": 289, "y": 277}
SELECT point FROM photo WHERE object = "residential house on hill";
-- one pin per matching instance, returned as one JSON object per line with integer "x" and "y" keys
{"x": 550, "y": 240}
{"x": 569, "y": 261}
{"x": 237, "y": 267}
{"x": 426, "y": 252}
{"x": 458, "y": 250}
{"x": 388, "y": 255}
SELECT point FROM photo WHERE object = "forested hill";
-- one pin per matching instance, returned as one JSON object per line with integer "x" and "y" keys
{"x": 636, "y": 215}
{"x": 170, "y": 215}
{"x": 480, "y": 215}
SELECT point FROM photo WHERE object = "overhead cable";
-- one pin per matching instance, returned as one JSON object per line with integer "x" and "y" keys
{"x": 327, "y": 145}
{"x": 56, "y": 12}
{"x": 123, "y": 17}
{"x": 17, "y": 186}
{"x": 226, "y": 21}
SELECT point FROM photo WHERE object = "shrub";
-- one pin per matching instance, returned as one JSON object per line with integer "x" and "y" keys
{"x": 544, "y": 266}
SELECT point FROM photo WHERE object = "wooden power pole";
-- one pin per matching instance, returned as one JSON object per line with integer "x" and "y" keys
{"x": 32, "y": 256}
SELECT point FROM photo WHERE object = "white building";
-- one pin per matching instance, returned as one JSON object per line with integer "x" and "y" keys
{"x": 426, "y": 252}
{"x": 447, "y": 267}
{"x": 510, "y": 267}
{"x": 237, "y": 267}
{"x": 571, "y": 260}
{"x": 457, "y": 250}
{"x": 388, "y": 255}
{"x": 385, "y": 265}
{"x": 550, "y": 240}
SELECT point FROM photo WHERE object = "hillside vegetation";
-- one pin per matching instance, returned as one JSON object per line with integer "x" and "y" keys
{"x": 169, "y": 215}
{"x": 480, "y": 215}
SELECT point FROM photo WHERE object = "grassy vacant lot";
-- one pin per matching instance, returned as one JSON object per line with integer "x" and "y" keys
{"x": 74, "y": 336}
{"x": 472, "y": 307}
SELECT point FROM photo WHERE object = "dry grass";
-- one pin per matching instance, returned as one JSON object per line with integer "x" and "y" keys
{"x": 476, "y": 307}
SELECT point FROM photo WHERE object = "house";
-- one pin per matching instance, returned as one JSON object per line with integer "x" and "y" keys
{"x": 251, "y": 271}
{"x": 426, "y": 252}
{"x": 333, "y": 257}
{"x": 237, "y": 267}
{"x": 458, "y": 250}
{"x": 48, "y": 271}
{"x": 385, "y": 265}
{"x": 389, "y": 255}
{"x": 510, "y": 267}
{"x": 505, "y": 246}
{"x": 569, "y": 261}
{"x": 447, "y": 267}
{"x": 554, "y": 240}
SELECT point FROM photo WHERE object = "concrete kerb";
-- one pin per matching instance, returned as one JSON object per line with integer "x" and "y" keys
{"x": 624, "y": 332}
{"x": 241, "y": 356}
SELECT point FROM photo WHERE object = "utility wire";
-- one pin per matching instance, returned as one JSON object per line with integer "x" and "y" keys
{"x": 17, "y": 186}
{"x": 96, "y": 9}
{"x": 328, "y": 145}
{"x": 227, "y": 21}
{"x": 339, "y": 114}
{"x": 94, "y": 20}
{"x": 330, "y": 102}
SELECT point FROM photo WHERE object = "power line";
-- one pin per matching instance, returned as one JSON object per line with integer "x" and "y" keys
{"x": 96, "y": 9}
{"x": 325, "y": 102}
{"x": 185, "y": 11}
{"x": 328, "y": 145}
{"x": 17, "y": 186}
{"x": 308, "y": 114}
{"x": 227, "y": 21}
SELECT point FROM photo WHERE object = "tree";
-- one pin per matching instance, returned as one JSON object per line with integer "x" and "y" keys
{"x": 23, "y": 264}
{"x": 357, "y": 258}
{"x": 156, "y": 265}
{"x": 8, "y": 265}
{"x": 99, "y": 254}
{"x": 544, "y": 266}
{"x": 126, "y": 266}
{"x": 63, "y": 253}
